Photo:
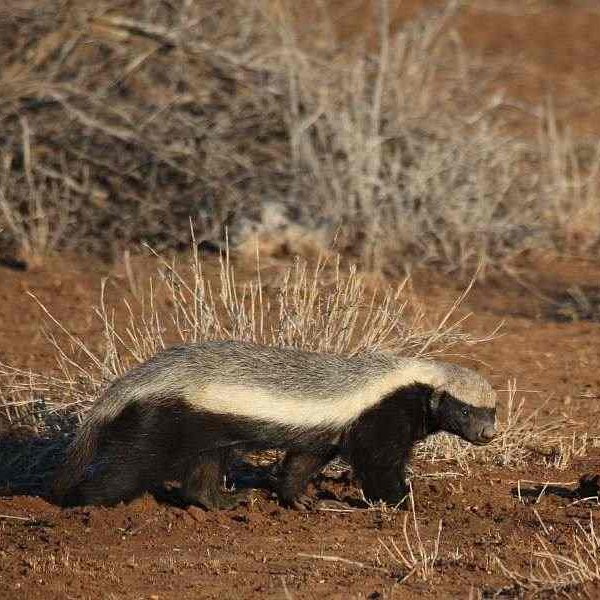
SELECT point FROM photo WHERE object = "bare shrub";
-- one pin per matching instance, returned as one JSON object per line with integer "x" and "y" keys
{"x": 570, "y": 184}
{"x": 149, "y": 115}
{"x": 407, "y": 157}
{"x": 398, "y": 164}
{"x": 36, "y": 207}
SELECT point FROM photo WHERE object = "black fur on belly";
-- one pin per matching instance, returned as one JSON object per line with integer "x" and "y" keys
{"x": 159, "y": 441}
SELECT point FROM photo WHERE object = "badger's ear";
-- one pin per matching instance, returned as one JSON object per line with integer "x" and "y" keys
{"x": 434, "y": 399}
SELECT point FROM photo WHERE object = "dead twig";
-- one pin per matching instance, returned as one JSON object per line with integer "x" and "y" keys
{"x": 339, "y": 559}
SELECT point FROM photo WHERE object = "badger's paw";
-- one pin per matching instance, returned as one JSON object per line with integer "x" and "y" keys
{"x": 233, "y": 499}
{"x": 399, "y": 499}
{"x": 302, "y": 503}
{"x": 221, "y": 500}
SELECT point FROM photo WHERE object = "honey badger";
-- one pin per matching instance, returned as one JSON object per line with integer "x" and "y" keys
{"x": 184, "y": 413}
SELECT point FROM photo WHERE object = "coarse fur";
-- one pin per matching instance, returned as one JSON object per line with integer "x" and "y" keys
{"x": 182, "y": 414}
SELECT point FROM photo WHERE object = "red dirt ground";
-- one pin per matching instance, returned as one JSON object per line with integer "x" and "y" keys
{"x": 153, "y": 550}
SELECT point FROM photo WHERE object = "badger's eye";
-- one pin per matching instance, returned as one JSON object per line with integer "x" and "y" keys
{"x": 465, "y": 412}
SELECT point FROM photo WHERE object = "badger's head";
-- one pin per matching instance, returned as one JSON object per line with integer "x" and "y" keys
{"x": 464, "y": 404}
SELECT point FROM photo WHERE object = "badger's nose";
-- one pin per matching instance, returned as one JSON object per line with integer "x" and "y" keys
{"x": 488, "y": 433}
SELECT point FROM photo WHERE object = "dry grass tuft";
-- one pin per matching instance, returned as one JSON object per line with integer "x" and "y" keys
{"x": 418, "y": 557}
{"x": 559, "y": 570}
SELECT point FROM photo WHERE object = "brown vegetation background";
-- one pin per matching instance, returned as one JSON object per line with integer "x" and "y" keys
{"x": 179, "y": 170}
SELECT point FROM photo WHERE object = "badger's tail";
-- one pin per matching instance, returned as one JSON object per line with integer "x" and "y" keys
{"x": 83, "y": 447}
{"x": 79, "y": 455}
{"x": 159, "y": 377}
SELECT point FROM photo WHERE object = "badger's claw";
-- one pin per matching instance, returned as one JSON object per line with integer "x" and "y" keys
{"x": 303, "y": 503}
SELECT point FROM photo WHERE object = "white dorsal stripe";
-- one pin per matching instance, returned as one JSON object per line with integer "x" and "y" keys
{"x": 292, "y": 410}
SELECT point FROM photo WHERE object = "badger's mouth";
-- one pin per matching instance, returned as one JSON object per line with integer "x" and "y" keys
{"x": 482, "y": 441}
{"x": 487, "y": 434}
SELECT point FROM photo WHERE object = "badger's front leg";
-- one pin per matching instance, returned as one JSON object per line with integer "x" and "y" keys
{"x": 379, "y": 452}
{"x": 296, "y": 470}
{"x": 383, "y": 480}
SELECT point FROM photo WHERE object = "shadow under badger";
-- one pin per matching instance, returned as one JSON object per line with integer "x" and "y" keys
{"x": 184, "y": 413}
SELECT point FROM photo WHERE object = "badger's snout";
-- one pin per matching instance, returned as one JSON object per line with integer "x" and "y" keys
{"x": 487, "y": 433}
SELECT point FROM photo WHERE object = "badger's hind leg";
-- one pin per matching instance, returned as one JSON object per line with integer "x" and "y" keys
{"x": 111, "y": 480}
{"x": 203, "y": 483}
{"x": 296, "y": 470}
